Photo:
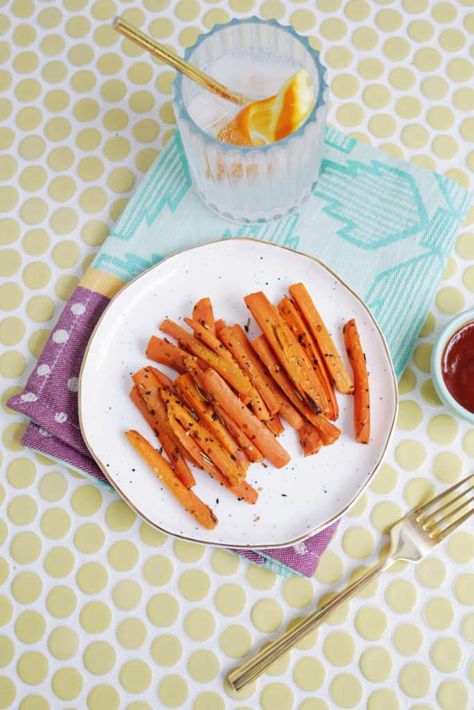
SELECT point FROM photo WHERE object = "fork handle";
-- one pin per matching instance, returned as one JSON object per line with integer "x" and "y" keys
{"x": 254, "y": 667}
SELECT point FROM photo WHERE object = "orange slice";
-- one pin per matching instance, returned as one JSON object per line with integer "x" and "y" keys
{"x": 269, "y": 120}
{"x": 292, "y": 105}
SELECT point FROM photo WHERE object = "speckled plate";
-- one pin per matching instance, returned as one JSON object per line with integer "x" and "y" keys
{"x": 295, "y": 501}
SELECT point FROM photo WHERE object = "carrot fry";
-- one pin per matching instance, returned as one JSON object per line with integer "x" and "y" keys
{"x": 258, "y": 406}
{"x": 160, "y": 350}
{"x": 186, "y": 388}
{"x": 203, "y": 314}
{"x": 229, "y": 371}
{"x": 160, "y": 377}
{"x": 189, "y": 500}
{"x": 238, "y": 344}
{"x": 149, "y": 390}
{"x": 167, "y": 439}
{"x": 194, "y": 370}
{"x": 271, "y": 392}
{"x": 249, "y": 449}
{"x": 243, "y": 417}
{"x": 220, "y": 324}
{"x": 291, "y": 415}
{"x": 318, "y": 330}
{"x": 361, "y": 382}
{"x": 269, "y": 359}
{"x": 309, "y": 439}
{"x": 275, "y": 425}
{"x": 188, "y": 446}
{"x": 244, "y": 443}
{"x": 240, "y": 490}
{"x": 205, "y": 440}
{"x": 295, "y": 322}
{"x": 326, "y": 429}
{"x": 287, "y": 349}
{"x": 209, "y": 339}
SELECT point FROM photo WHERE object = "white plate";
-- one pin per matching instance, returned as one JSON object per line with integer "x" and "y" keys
{"x": 295, "y": 501}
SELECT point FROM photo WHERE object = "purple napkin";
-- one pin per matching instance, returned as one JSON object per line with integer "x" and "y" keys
{"x": 50, "y": 401}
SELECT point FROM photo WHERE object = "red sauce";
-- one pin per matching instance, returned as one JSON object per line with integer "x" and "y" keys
{"x": 457, "y": 366}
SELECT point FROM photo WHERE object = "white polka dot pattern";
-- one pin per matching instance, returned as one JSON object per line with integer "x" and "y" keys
{"x": 97, "y": 610}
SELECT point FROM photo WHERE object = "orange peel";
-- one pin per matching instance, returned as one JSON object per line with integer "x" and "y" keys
{"x": 272, "y": 119}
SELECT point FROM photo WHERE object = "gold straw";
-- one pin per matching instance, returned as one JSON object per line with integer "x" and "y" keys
{"x": 160, "y": 52}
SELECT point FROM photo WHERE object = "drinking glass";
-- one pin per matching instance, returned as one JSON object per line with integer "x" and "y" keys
{"x": 253, "y": 183}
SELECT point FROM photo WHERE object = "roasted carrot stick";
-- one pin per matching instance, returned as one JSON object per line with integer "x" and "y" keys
{"x": 186, "y": 389}
{"x": 238, "y": 344}
{"x": 295, "y": 322}
{"x": 241, "y": 490}
{"x": 164, "y": 352}
{"x": 244, "y": 443}
{"x": 209, "y": 339}
{"x": 287, "y": 349}
{"x": 271, "y": 393}
{"x": 258, "y": 406}
{"x": 160, "y": 377}
{"x": 148, "y": 391}
{"x": 229, "y": 370}
{"x": 247, "y": 446}
{"x": 204, "y": 439}
{"x": 203, "y": 314}
{"x": 275, "y": 425}
{"x": 220, "y": 324}
{"x": 318, "y": 330}
{"x": 326, "y": 429}
{"x": 291, "y": 414}
{"x": 243, "y": 417}
{"x": 189, "y": 500}
{"x": 195, "y": 371}
{"x": 269, "y": 359}
{"x": 361, "y": 382}
{"x": 309, "y": 439}
{"x": 167, "y": 439}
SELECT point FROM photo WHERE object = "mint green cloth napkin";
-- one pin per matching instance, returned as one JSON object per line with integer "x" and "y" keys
{"x": 384, "y": 225}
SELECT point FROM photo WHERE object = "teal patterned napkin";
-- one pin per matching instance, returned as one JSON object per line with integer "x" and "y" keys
{"x": 384, "y": 225}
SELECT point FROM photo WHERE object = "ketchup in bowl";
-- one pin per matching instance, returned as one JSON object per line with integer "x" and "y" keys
{"x": 457, "y": 366}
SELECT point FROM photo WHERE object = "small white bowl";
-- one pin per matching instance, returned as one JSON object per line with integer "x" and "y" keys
{"x": 436, "y": 364}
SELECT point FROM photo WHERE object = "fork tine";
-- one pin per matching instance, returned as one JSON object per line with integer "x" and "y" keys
{"x": 441, "y": 496}
{"x": 444, "y": 533}
{"x": 431, "y": 521}
{"x": 437, "y": 523}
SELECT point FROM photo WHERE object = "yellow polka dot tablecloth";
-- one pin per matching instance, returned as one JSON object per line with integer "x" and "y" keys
{"x": 97, "y": 610}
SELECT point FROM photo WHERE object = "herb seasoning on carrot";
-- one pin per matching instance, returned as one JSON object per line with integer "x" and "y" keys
{"x": 361, "y": 382}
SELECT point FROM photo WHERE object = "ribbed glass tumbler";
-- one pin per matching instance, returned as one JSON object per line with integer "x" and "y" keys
{"x": 246, "y": 183}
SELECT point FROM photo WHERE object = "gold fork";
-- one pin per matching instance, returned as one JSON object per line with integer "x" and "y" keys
{"x": 411, "y": 538}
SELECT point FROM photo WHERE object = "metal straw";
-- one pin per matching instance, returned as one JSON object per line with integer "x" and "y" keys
{"x": 166, "y": 55}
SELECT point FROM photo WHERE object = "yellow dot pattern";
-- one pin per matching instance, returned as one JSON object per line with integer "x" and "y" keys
{"x": 99, "y": 611}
